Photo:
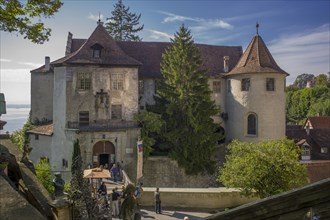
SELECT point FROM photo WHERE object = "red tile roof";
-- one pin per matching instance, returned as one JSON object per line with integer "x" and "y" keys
{"x": 257, "y": 59}
{"x": 43, "y": 130}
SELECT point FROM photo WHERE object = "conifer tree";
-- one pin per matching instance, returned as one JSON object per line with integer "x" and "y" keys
{"x": 188, "y": 108}
{"x": 121, "y": 26}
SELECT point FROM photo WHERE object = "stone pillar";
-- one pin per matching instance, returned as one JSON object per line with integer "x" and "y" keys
{"x": 61, "y": 209}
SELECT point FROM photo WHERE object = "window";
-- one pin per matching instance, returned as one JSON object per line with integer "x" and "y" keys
{"x": 96, "y": 53}
{"x": 64, "y": 163}
{"x": 97, "y": 50}
{"x": 36, "y": 137}
{"x": 270, "y": 84}
{"x": 116, "y": 112}
{"x": 324, "y": 150}
{"x": 84, "y": 81}
{"x": 228, "y": 85}
{"x": 141, "y": 87}
{"x": 252, "y": 124}
{"x": 216, "y": 86}
{"x": 117, "y": 81}
{"x": 245, "y": 84}
{"x": 83, "y": 118}
{"x": 305, "y": 150}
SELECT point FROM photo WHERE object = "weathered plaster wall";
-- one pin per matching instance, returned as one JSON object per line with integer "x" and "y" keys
{"x": 164, "y": 172}
{"x": 268, "y": 105}
{"x": 40, "y": 147}
{"x": 42, "y": 95}
{"x": 85, "y": 100}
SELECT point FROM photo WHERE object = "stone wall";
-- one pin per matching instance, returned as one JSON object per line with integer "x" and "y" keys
{"x": 211, "y": 198}
{"x": 165, "y": 172}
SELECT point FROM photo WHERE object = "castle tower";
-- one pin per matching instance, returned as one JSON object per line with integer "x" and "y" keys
{"x": 255, "y": 96}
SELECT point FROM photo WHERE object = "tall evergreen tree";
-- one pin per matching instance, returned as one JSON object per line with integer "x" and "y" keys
{"x": 188, "y": 108}
{"x": 121, "y": 26}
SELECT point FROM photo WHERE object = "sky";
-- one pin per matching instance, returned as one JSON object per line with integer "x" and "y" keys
{"x": 297, "y": 33}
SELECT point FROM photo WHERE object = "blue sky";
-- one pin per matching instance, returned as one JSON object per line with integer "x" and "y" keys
{"x": 297, "y": 33}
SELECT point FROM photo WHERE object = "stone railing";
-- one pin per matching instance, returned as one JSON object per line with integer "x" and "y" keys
{"x": 101, "y": 125}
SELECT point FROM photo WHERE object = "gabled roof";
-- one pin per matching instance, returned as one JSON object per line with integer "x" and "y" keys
{"x": 150, "y": 55}
{"x": 43, "y": 130}
{"x": 112, "y": 54}
{"x": 257, "y": 59}
{"x": 318, "y": 122}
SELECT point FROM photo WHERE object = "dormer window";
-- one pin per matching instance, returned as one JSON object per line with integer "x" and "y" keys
{"x": 97, "y": 50}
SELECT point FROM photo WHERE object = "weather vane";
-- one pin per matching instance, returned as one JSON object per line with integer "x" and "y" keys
{"x": 257, "y": 26}
{"x": 99, "y": 16}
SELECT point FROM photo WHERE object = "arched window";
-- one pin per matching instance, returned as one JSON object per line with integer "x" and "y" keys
{"x": 252, "y": 124}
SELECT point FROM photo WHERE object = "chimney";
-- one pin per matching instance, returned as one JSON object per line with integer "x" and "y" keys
{"x": 226, "y": 64}
{"x": 68, "y": 44}
{"x": 47, "y": 63}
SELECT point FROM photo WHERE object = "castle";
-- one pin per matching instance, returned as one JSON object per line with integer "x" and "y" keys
{"x": 92, "y": 93}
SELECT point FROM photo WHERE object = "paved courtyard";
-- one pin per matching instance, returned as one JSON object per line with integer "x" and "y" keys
{"x": 172, "y": 214}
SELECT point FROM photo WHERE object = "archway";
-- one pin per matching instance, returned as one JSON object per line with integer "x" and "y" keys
{"x": 104, "y": 152}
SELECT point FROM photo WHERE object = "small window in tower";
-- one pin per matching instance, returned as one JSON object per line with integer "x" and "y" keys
{"x": 245, "y": 84}
{"x": 324, "y": 150}
{"x": 252, "y": 124}
{"x": 270, "y": 84}
{"x": 36, "y": 137}
{"x": 216, "y": 86}
{"x": 229, "y": 85}
{"x": 116, "y": 112}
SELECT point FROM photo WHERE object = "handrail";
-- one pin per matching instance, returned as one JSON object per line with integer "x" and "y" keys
{"x": 126, "y": 179}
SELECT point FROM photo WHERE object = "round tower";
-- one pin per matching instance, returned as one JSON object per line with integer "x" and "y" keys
{"x": 255, "y": 96}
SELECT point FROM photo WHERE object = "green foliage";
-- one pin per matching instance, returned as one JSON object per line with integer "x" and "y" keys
{"x": 186, "y": 106}
{"x": 151, "y": 125}
{"x": 43, "y": 172}
{"x": 263, "y": 169}
{"x": 25, "y": 19}
{"x": 20, "y": 137}
{"x": 322, "y": 80}
{"x": 121, "y": 25}
{"x": 129, "y": 204}
{"x": 302, "y": 79}
{"x": 307, "y": 102}
{"x": 80, "y": 189}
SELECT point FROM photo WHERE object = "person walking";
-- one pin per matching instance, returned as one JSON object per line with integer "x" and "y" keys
{"x": 114, "y": 172}
{"x": 157, "y": 201}
{"x": 114, "y": 199}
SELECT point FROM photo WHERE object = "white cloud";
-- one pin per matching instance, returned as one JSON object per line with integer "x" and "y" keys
{"x": 201, "y": 23}
{"x": 305, "y": 52}
{"x": 33, "y": 65}
{"x": 5, "y": 60}
{"x": 15, "y": 75}
{"x": 158, "y": 35}
{"x": 95, "y": 17}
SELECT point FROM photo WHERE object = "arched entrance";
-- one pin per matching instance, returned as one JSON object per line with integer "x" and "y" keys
{"x": 104, "y": 153}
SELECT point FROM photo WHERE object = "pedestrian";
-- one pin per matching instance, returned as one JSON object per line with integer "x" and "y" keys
{"x": 158, "y": 208}
{"x": 114, "y": 199}
{"x": 114, "y": 172}
{"x": 103, "y": 190}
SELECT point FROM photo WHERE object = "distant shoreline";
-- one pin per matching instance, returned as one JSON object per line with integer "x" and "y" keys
{"x": 18, "y": 106}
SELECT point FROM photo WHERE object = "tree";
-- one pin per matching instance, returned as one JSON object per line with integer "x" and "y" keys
{"x": 17, "y": 17}
{"x": 121, "y": 26}
{"x": 264, "y": 168}
{"x": 80, "y": 189}
{"x": 302, "y": 79}
{"x": 187, "y": 107}
{"x": 43, "y": 173}
{"x": 20, "y": 137}
{"x": 322, "y": 80}
{"x": 151, "y": 126}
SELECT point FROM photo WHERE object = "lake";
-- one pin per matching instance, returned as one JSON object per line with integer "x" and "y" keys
{"x": 15, "y": 117}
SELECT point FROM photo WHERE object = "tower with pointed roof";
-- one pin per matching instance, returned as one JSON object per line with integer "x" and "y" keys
{"x": 255, "y": 96}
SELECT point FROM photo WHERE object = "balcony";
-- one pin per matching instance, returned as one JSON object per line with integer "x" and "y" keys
{"x": 102, "y": 125}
